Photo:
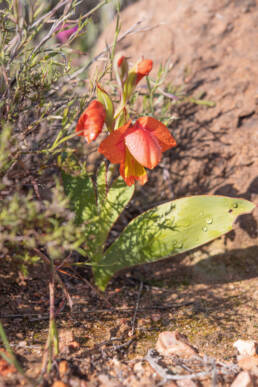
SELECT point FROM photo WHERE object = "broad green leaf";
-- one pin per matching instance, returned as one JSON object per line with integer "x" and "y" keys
{"x": 81, "y": 193}
{"x": 170, "y": 229}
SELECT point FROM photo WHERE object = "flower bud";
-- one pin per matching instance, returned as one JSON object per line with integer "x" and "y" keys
{"x": 91, "y": 121}
{"x": 120, "y": 68}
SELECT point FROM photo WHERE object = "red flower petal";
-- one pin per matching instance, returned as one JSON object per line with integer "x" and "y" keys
{"x": 143, "y": 68}
{"x": 144, "y": 147}
{"x": 113, "y": 147}
{"x": 159, "y": 130}
{"x": 91, "y": 121}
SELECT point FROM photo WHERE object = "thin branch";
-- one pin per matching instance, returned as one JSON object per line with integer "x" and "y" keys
{"x": 131, "y": 30}
{"x": 49, "y": 35}
{"x": 49, "y": 14}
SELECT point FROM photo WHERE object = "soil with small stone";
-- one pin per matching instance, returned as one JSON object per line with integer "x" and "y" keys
{"x": 211, "y": 294}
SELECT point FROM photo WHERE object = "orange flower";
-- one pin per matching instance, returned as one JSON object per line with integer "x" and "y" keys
{"x": 143, "y": 68}
{"x": 91, "y": 121}
{"x": 137, "y": 146}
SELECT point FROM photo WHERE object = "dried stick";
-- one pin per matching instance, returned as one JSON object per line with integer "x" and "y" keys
{"x": 136, "y": 308}
{"x": 59, "y": 279}
{"x": 164, "y": 373}
{"x": 52, "y": 345}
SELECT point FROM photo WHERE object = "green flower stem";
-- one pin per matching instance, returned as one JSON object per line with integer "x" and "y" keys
{"x": 57, "y": 143}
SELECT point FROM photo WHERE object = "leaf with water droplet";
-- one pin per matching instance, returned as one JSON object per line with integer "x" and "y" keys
{"x": 161, "y": 232}
{"x": 209, "y": 220}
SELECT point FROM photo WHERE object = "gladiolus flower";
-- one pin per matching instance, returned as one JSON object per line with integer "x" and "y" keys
{"x": 64, "y": 35}
{"x": 91, "y": 121}
{"x": 137, "y": 146}
{"x": 143, "y": 68}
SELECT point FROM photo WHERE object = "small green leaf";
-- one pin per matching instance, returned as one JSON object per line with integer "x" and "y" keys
{"x": 129, "y": 85}
{"x": 170, "y": 229}
{"x": 122, "y": 118}
{"x": 106, "y": 101}
{"x": 81, "y": 193}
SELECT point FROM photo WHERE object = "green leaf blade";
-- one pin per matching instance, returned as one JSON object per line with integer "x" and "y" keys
{"x": 117, "y": 198}
{"x": 101, "y": 184}
{"x": 169, "y": 229}
{"x": 81, "y": 193}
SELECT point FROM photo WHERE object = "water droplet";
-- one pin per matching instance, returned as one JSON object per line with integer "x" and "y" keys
{"x": 209, "y": 220}
{"x": 235, "y": 205}
{"x": 205, "y": 229}
{"x": 179, "y": 245}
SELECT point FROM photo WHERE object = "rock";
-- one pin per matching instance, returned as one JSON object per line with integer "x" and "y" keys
{"x": 58, "y": 383}
{"x": 5, "y": 367}
{"x": 173, "y": 343}
{"x": 248, "y": 357}
{"x": 138, "y": 368}
{"x": 63, "y": 368}
{"x": 105, "y": 381}
{"x": 246, "y": 347}
{"x": 243, "y": 380}
{"x": 171, "y": 384}
{"x": 186, "y": 383}
{"x": 248, "y": 362}
{"x": 156, "y": 317}
{"x": 66, "y": 341}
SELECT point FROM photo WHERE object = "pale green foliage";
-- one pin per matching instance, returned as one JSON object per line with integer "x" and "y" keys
{"x": 26, "y": 224}
{"x": 6, "y": 151}
{"x": 38, "y": 104}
